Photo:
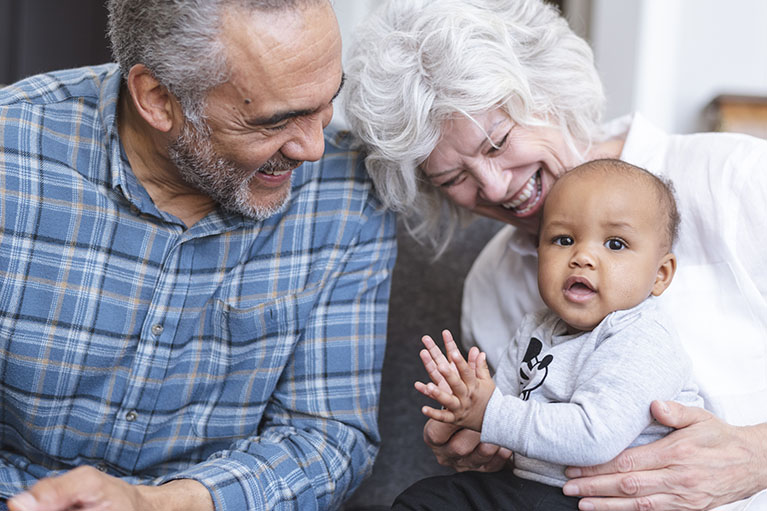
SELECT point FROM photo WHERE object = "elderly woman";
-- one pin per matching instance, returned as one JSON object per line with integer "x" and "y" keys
{"x": 477, "y": 107}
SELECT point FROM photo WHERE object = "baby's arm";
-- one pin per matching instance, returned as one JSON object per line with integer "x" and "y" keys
{"x": 604, "y": 410}
{"x": 462, "y": 387}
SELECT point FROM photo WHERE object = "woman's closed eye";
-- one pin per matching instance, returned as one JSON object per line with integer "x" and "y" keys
{"x": 454, "y": 181}
{"x": 500, "y": 145}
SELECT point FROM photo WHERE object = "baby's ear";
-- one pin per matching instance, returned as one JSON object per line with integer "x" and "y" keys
{"x": 665, "y": 273}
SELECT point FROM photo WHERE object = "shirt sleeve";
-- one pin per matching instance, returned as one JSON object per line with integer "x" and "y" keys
{"x": 609, "y": 406}
{"x": 319, "y": 436}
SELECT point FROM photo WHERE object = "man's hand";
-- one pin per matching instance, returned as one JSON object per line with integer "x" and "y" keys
{"x": 461, "y": 449}
{"x": 87, "y": 489}
{"x": 704, "y": 464}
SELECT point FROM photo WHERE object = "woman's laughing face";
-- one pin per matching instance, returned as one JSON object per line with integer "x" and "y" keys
{"x": 496, "y": 168}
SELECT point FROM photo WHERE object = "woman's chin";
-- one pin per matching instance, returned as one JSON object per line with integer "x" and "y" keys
{"x": 529, "y": 221}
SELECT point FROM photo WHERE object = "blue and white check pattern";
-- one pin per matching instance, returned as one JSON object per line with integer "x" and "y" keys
{"x": 245, "y": 355}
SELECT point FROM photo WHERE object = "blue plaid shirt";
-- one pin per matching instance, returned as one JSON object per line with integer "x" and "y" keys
{"x": 245, "y": 355}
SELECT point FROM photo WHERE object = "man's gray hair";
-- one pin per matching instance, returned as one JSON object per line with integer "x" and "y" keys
{"x": 416, "y": 63}
{"x": 179, "y": 42}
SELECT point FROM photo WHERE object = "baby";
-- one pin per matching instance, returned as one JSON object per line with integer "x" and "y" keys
{"x": 576, "y": 383}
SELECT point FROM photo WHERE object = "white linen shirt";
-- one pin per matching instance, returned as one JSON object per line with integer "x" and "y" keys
{"x": 718, "y": 298}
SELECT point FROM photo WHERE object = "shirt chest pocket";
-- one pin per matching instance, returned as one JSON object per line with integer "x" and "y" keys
{"x": 245, "y": 357}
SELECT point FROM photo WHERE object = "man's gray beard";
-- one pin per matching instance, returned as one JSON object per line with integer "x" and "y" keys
{"x": 193, "y": 154}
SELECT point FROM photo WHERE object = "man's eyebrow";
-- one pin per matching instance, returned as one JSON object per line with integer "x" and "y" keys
{"x": 291, "y": 114}
{"x": 340, "y": 86}
{"x": 278, "y": 117}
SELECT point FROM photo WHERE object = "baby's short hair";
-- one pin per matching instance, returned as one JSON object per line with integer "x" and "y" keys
{"x": 664, "y": 189}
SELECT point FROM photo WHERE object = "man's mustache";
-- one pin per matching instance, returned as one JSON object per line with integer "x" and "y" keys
{"x": 279, "y": 165}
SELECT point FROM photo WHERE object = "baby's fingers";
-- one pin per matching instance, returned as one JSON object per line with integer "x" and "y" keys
{"x": 428, "y": 342}
{"x": 464, "y": 369}
{"x": 482, "y": 370}
{"x": 433, "y": 349}
{"x": 453, "y": 378}
{"x": 422, "y": 388}
{"x": 430, "y": 365}
{"x": 439, "y": 415}
{"x": 432, "y": 369}
{"x": 430, "y": 390}
{"x": 473, "y": 356}
{"x": 447, "y": 338}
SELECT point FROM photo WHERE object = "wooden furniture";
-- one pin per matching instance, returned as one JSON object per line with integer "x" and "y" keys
{"x": 737, "y": 113}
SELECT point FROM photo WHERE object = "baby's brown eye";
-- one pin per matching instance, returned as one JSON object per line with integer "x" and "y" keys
{"x": 615, "y": 244}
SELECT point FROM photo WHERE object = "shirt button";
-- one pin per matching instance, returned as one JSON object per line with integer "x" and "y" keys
{"x": 134, "y": 210}
{"x": 101, "y": 468}
{"x": 157, "y": 329}
{"x": 131, "y": 416}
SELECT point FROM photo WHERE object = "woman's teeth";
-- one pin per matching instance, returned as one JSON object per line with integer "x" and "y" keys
{"x": 531, "y": 189}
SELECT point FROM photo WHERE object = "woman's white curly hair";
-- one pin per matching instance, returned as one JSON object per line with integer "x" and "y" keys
{"x": 416, "y": 63}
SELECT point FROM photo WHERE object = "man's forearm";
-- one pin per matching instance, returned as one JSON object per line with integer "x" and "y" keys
{"x": 178, "y": 495}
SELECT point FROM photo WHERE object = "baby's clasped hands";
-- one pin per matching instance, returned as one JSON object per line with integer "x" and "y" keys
{"x": 462, "y": 387}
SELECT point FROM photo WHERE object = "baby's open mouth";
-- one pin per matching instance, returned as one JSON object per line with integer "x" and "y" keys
{"x": 578, "y": 288}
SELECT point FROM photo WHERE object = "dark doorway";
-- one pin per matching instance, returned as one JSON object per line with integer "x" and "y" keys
{"x": 43, "y": 35}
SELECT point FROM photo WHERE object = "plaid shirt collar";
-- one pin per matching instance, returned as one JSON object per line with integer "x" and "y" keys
{"x": 123, "y": 181}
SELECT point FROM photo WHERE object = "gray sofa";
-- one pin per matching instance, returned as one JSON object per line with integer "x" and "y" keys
{"x": 425, "y": 299}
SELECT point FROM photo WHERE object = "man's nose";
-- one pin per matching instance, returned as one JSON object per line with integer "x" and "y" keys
{"x": 308, "y": 143}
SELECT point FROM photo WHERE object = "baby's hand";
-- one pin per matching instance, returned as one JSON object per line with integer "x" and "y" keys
{"x": 432, "y": 357}
{"x": 462, "y": 388}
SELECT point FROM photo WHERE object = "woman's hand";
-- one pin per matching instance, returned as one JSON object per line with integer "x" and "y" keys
{"x": 704, "y": 464}
{"x": 461, "y": 449}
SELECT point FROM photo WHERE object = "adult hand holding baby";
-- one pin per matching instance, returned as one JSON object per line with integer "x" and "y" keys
{"x": 703, "y": 464}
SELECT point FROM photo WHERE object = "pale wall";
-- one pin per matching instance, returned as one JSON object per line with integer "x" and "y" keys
{"x": 669, "y": 58}
{"x": 665, "y": 58}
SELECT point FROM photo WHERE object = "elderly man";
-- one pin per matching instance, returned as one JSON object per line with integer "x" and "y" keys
{"x": 190, "y": 318}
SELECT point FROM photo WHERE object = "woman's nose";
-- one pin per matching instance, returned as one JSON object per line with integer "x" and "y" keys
{"x": 493, "y": 184}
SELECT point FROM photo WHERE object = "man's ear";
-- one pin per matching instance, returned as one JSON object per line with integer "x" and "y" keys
{"x": 665, "y": 273}
{"x": 152, "y": 100}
